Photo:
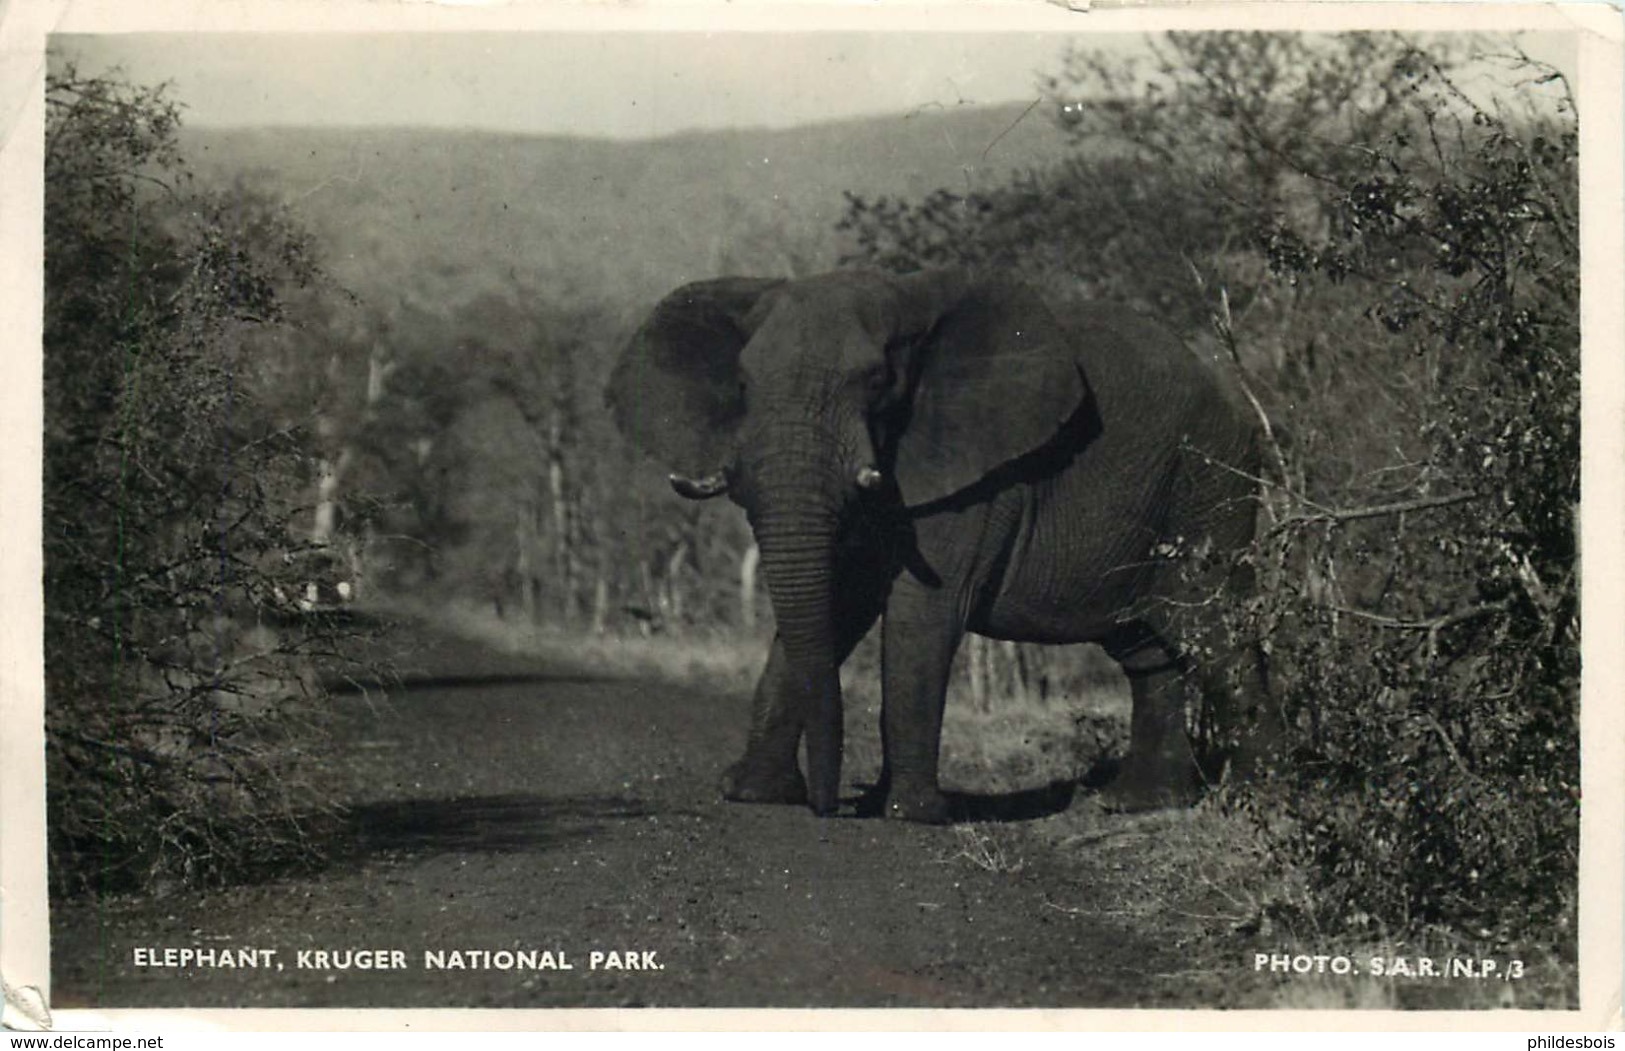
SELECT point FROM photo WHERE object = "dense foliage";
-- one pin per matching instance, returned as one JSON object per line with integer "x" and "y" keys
{"x": 1391, "y": 263}
{"x": 179, "y": 700}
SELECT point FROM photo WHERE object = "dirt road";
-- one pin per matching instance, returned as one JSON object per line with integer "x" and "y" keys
{"x": 527, "y": 810}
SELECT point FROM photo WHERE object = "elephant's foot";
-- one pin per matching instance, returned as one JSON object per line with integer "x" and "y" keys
{"x": 826, "y": 805}
{"x": 747, "y": 782}
{"x": 1141, "y": 787}
{"x": 872, "y": 801}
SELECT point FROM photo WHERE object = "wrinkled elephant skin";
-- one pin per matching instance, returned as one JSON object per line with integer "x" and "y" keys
{"x": 956, "y": 453}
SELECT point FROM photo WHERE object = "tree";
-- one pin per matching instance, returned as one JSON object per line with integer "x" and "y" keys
{"x": 176, "y": 684}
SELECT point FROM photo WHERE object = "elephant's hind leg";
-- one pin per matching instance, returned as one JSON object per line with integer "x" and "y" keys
{"x": 1160, "y": 769}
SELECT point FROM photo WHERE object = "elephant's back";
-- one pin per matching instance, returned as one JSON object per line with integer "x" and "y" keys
{"x": 1086, "y": 547}
{"x": 1147, "y": 380}
{"x": 1120, "y": 347}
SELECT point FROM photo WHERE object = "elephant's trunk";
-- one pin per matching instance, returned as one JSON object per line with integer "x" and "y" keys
{"x": 799, "y": 578}
{"x": 795, "y": 519}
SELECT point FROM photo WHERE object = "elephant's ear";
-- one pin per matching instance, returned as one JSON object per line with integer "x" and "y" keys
{"x": 997, "y": 379}
{"x": 675, "y": 393}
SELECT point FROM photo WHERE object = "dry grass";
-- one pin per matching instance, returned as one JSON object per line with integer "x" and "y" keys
{"x": 990, "y": 847}
{"x": 1207, "y": 883}
{"x": 724, "y": 662}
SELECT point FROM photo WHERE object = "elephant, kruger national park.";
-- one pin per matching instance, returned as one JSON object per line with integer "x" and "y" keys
{"x": 950, "y": 452}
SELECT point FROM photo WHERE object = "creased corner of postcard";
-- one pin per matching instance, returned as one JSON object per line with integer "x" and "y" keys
{"x": 25, "y": 1009}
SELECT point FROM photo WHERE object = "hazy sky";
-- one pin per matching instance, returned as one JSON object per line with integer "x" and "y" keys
{"x": 616, "y": 84}
{"x": 609, "y": 84}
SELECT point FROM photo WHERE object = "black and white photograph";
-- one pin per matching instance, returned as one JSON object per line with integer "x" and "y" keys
{"x": 833, "y": 516}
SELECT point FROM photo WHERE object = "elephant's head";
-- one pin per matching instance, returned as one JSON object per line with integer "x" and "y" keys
{"x": 802, "y": 398}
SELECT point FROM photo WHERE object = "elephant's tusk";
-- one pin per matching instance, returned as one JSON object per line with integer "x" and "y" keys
{"x": 869, "y": 478}
{"x": 699, "y": 488}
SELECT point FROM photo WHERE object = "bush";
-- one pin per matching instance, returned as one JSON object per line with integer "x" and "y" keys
{"x": 1391, "y": 265}
{"x": 1434, "y": 637}
{"x": 180, "y": 702}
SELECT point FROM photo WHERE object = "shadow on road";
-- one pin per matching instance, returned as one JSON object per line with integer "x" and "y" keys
{"x": 428, "y": 680}
{"x": 1028, "y": 804}
{"x": 493, "y": 824}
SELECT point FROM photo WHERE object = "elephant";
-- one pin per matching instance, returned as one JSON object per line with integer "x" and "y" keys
{"x": 948, "y": 451}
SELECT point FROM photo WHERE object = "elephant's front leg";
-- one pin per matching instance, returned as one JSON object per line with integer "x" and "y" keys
{"x": 767, "y": 773}
{"x": 921, "y": 631}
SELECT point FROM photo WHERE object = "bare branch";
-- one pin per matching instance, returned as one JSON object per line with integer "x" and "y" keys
{"x": 1432, "y": 626}
{"x": 1449, "y": 745}
{"x": 1357, "y": 514}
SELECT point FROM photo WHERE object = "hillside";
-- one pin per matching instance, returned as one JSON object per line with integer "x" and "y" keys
{"x": 438, "y": 216}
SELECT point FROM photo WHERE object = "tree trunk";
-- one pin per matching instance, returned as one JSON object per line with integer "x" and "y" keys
{"x": 977, "y": 671}
{"x": 1020, "y": 688}
{"x": 524, "y": 562}
{"x": 562, "y": 576}
{"x": 600, "y": 604}
{"x": 379, "y": 368}
{"x": 651, "y": 599}
{"x": 330, "y": 477}
{"x": 748, "y": 562}
{"x": 672, "y": 588}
